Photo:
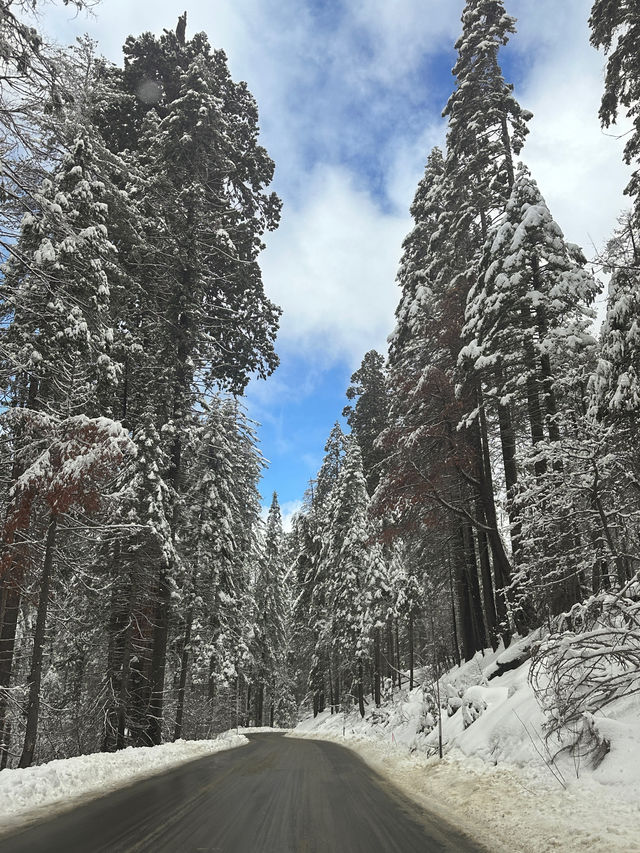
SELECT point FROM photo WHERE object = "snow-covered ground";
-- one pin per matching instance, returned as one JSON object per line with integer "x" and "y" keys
{"x": 498, "y": 781}
{"x": 36, "y": 792}
{"x": 253, "y": 730}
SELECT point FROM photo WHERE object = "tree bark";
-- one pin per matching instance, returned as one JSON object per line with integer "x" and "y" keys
{"x": 159, "y": 659}
{"x": 182, "y": 683}
{"x": 410, "y": 632}
{"x": 398, "y": 667}
{"x": 35, "y": 676}
{"x": 376, "y": 667}
{"x": 473, "y": 589}
{"x": 501, "y": 564}
{"x": 462, "y": 594}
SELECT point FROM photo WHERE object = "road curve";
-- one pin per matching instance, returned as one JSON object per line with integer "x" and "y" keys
{"x": 275, "y": 795}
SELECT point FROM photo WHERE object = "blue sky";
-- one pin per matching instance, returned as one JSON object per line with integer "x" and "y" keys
{"x": 350, "y": 94}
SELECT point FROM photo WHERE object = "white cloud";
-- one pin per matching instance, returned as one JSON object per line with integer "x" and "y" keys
{"x": 401, "y": 33}
{"x": 289, "y": 509}
{"x": 332, "y": 265}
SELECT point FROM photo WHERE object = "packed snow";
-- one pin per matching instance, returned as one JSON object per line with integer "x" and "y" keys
{"x": 38, "y": 792}
{"x": 500, "y": 780}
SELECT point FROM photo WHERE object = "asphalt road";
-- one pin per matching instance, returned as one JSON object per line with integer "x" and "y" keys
{"x": 275, "y": 795}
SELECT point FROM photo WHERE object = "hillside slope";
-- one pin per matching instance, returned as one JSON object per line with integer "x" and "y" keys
{"x": 499, "y": 778}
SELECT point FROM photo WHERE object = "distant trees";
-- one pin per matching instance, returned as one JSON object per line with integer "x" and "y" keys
{"x": 271, "y": 625}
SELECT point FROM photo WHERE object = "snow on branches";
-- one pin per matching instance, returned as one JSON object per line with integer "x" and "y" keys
{"x": 71, "y": 461}
{"x": 591, "y": 659}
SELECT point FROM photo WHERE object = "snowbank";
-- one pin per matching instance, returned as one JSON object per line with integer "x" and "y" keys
{"x": 252, "y": 730}
{"x": 498, "y": 780}
{"x": 38, "y": 791}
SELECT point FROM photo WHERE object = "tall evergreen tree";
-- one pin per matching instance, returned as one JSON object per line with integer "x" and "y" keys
{"x": 271, "y": 620}
{"x": 616, "y": 29}
{"x": 368, "y": 416}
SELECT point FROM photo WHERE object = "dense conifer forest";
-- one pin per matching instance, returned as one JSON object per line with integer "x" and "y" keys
{"x": 484, "y": 481}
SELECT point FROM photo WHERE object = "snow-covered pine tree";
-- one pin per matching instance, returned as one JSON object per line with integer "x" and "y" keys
{"x": 221, "y": 511}
{"x": 200, "y": 187}
{"x": 487, "y": 126}
{"x": 429, "y": 462}
{"x": 271, "y": 606}
{"x": 614, "y": 394}
{"x": 33, "y": 97}
{"x": 616, "y": 383}
{"x": 57, "y": 323}
{"x": 70, "y": 463}
{"x": 616, "y": 29}
{"x": 528, "y": 320}
{"x": 312, "y": 575}
{"x": 56, "y": 289}
{"x": 528, "y": 316}
{"x": 135, "y": 559}
{"x": 346, "y": 548}
{"x": 368, "y": 416}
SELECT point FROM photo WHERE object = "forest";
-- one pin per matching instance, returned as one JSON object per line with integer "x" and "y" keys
{"x": 483, "y": 484}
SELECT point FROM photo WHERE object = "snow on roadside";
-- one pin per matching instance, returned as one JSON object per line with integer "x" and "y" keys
{"x": 36, "y": 792}
{"x": 253, "y": 730}
{"x": 496, "y": 781}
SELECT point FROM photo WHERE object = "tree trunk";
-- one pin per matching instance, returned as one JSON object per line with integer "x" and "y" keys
{"x": 159, "y": 659}
{"x": 389, "y": 632}
{"x": 398, "y": 662}
{"x": 184, "y": 663}
{"x": 508, "y": 447}
{"x": 123, "y": 698}
{"x": 360, "y": 691}
{"x": 35, "y": 676}
{"x": 534, "y": 409}
{"x": 473, "y": 589}
{"x": 501, "y": 564}
{"x": 489, "y": 606}
{"x": 462, "y": 594}
{"x": 452, "y": 597}
{"x": 9, "y": 611}
{"x": 490, "y": 615}
{"x": 410, "y": 650}
{"x": 332, "y": 695}
{"x": 376, "y": 667}
{"x": 545, "y": 366}
{"x": 5, "y": 744}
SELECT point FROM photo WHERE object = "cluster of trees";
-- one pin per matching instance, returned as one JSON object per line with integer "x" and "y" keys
{"x": 141, "y": 597}
{"x": 490, "y": 481}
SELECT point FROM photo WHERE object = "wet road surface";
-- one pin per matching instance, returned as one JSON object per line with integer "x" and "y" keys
{"x": 275, "y": 795}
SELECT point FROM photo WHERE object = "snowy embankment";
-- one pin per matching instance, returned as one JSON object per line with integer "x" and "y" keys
{"x": 499, "y": 781}
{"x": 256, "y": 730}
{"x": 36, "y": 792}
